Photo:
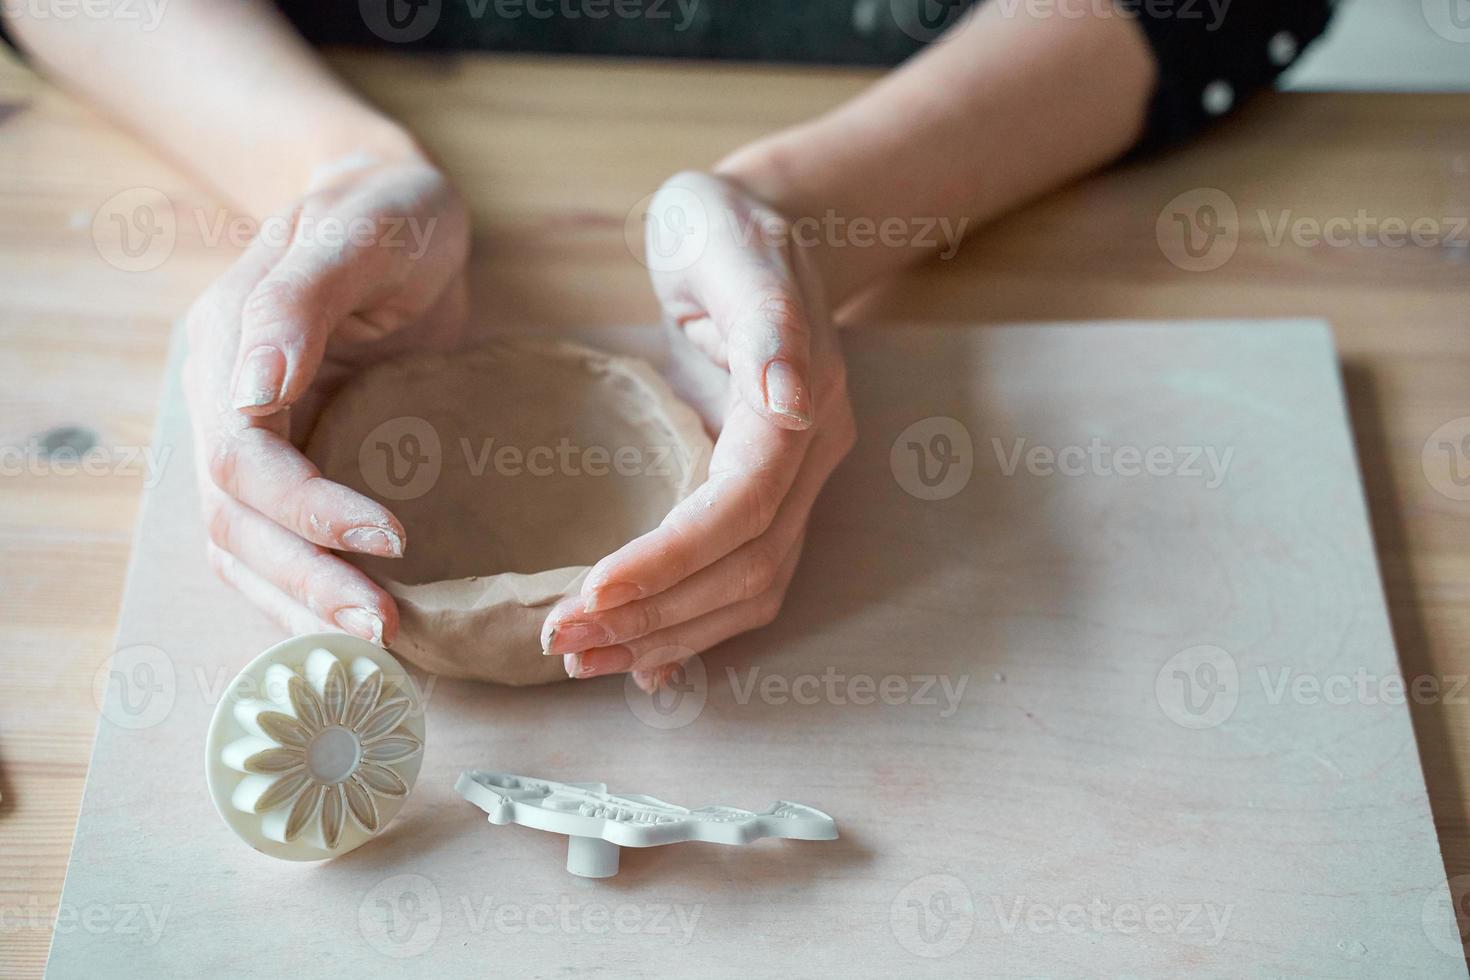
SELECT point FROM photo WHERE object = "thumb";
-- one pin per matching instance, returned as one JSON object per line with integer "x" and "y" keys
{"x": 767, "y": 330}
{"x": 287, "y": 318}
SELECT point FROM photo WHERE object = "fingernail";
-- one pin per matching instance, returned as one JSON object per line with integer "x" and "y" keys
{"x": 576, "y": 637}
{"x": 612, "y": 660}
{"x": 572, "y": 663}
{"x": 261, "y": 375}
{"x": 373, "y": 540}
{"x": 785, "y": 394}
{"x": 361, "y": 622}
{"x": 647, "y": 680}
{"x": 612, "y": 595}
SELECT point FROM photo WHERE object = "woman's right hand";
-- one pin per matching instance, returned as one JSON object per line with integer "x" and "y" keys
{"x": 368, "y": 263}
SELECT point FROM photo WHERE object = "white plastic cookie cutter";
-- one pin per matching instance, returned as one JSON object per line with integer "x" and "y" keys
{"x": 597, "y": 822}
{"x": 315, "y": 746}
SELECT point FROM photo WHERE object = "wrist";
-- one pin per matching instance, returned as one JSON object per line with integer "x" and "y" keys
{"x": 773, "y": 172}
{"x": 355, "y": 143}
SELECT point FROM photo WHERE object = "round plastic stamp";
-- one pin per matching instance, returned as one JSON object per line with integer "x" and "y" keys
{"x": 315, "y": 746}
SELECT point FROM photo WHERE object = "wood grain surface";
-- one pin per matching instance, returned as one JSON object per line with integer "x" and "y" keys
{"x": 555, "y": 156}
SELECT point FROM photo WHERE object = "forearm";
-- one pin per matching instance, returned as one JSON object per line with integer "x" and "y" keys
{"x": 225, "y": 87}
{"x": 1007, "y": 108}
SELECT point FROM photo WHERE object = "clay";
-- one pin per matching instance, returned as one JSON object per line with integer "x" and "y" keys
{"x": 513, "y": 467}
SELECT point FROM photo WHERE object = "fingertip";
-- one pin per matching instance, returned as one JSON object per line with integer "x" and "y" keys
{"x": 380, "y": 540}
{"x": 787, "y": 398}
{"x": 259, "y": 381}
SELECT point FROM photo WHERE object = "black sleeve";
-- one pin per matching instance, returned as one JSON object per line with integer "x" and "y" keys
{"x": 1211, "y": 54}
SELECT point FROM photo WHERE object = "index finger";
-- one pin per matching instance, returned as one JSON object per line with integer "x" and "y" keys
{"x": 751, "y": 472}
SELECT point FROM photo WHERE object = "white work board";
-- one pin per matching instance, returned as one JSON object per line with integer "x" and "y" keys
{"x": 1087, "y": 655}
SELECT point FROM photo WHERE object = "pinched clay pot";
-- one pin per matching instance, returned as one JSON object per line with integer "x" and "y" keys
{"x": 513, "y": 468}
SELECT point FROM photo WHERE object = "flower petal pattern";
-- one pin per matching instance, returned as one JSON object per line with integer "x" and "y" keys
{"x": 334, "y": 693}
{"x": 360, "y": 804}
{"x": 363, "y": 699}
{"x": 282, "y": 791}
{"x": 332, "y": 814}
{"x": 336, "y": 746}
{"x": 307, "y": 705}
{"x": 382, "y": 721}
{"x": 303, "y": 812}
{"x": 391, "y": 748}
{"x": 271, "y": 761}
{"x": 283, "y": 728}
{"x": 384, "y": 782}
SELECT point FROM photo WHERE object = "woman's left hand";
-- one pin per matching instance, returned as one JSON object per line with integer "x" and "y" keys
{"x": 749, "y": 298}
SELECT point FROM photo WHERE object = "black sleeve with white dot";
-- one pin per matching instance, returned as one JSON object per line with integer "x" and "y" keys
{"x": 1211, "y": 54}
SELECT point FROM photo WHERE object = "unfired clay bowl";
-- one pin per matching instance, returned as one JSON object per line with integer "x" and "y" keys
{"x": 513, "y": 468}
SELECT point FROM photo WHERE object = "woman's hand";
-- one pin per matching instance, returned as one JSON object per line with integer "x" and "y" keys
{"x": 749, "y": 299}
{"x": 368, "y": 263}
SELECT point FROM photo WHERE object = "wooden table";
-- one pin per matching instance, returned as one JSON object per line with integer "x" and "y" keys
{"x": 554, "y": 156}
